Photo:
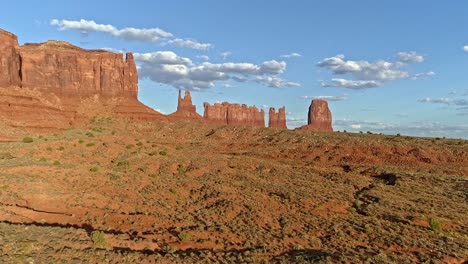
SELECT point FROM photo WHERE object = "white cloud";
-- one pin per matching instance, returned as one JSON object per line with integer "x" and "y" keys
{"x": 327, "y": 97}
{"x": 188, "y": 43}
{"x": 447, "y": 101}
{"x": 275, "y": 82}
{"x": 225, "y": 55}
{"x": 162, "y": 57}
{"x": 465, "y": 48}
{"x": 370, "y": 75}
{"x": 351, "y": 84}
{"x": 128, "y": 33}
{"x": 421, "y": 76}
{"x": 169, "y": 68}
{"x": 291, "y": 55}
{"x": 203, "y": 57}
{"x": 410, "y": 57}
{"x": 154, "y": 35}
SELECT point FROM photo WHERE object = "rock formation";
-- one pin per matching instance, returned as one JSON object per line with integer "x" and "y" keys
{"x": 185, "y": 108}
{"x": 234, "y": 114}
{"x": 319, "y": 117}
{"x": 55, "y": 84}
{"x": 277, "y": 120}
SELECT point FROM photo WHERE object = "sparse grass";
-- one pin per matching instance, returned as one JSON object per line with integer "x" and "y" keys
{"x": 28, "y": 140}
{"x": 98, "y": 238}
{"x": 183, "y": 236}
{"x": 435, "y": 224}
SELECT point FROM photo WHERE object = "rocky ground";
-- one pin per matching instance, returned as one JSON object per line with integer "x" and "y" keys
{"x": 115, "y": 191}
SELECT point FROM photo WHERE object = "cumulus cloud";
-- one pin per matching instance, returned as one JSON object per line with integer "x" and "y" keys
{"x": 370, "y": 75}
{"x": 327, "y": 97}
{"x": 410, "y": 57}
{"x": 447, "y": 101}
{"x": 128, "y": 33}
{"x": 169, "y": 68}
{"x": 188, "y": 43}
{"x": 154, "y": 35}
{"x": 162, "y": 57}
{"x": 465, "y": 48}
{"x": 291, "y": 55}
{"x": 421, "y": 76}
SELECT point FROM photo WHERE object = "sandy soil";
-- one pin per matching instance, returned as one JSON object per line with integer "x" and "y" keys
{"x": 116, "y": 191}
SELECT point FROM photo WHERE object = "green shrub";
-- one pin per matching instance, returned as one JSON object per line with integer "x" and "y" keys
{"x": 139, "y": 144}
{"x": 56, "y": 163}
{"x": 163, "y": 153}
{"x": 89, "y": 134}
{"x": 129, "y": 146}
{"x": 80, "y": 141}
{"x": 49, "y": 149}
{"x": 61, "y": 148}
{"x": 94, "y": 169}
{"x": 28, "y": 140}
{"x": 90, "y": 144}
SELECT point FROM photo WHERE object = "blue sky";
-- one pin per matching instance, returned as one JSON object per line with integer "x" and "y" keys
{"x": 391, "y": 67}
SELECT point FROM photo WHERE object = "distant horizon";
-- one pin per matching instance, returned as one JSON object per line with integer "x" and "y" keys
{"x": 391, "y": 68}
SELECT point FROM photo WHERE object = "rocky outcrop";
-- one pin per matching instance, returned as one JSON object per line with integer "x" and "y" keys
{"x": 56, "y": 84}
{"x": 9, "y": 60}
{"x": 185, "y": 108}
{"x": 319, "y": 117}
{"x": 277, "y": 120}
{"x": 234, "y": 114}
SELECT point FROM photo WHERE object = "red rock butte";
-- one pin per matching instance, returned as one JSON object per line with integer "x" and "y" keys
{"x": 54, "y": 85}
{"x": 319, "y": 117}
{"x": 277, "y": 120}
{"x": 185, "y": 108}
{"x": 234, "y": 114}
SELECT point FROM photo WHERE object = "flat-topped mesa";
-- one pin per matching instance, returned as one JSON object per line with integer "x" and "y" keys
{"x": 57, "y": 85}
{"x": 277, "y": 120}
{"x": 185, "y": 107}
{"x": 66, "y": 70}
{"x": 319, "y": 117}
{"x": 234, "y": 114}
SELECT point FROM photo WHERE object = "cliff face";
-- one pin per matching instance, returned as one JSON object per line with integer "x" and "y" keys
{"x": 9, "y": 60}
{"x": 234, "y": 114}
{"x": 55, "y": 84}
{"x": 277, "y": 120}
{"x": 185, "y": 108}
{"x": 319, "y": 117}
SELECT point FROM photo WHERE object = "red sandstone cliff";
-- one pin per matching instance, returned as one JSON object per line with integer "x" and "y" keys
{"x": 234, "y": 114}
{"x": 319, "y": 117}
{"x": 55, "y": 84}
{"x": 277, "y": 120}
{"x": 185, "y": 108}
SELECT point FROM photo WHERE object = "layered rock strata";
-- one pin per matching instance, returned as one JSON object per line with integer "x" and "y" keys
{"x": 234, "y": 114}
{"x": 277, "y": 120}
{"x": 319, "y": 117}
{"x": 56, "y": 85}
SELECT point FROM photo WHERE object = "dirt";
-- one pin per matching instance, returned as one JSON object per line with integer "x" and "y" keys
{"x": 116, "y": 191}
